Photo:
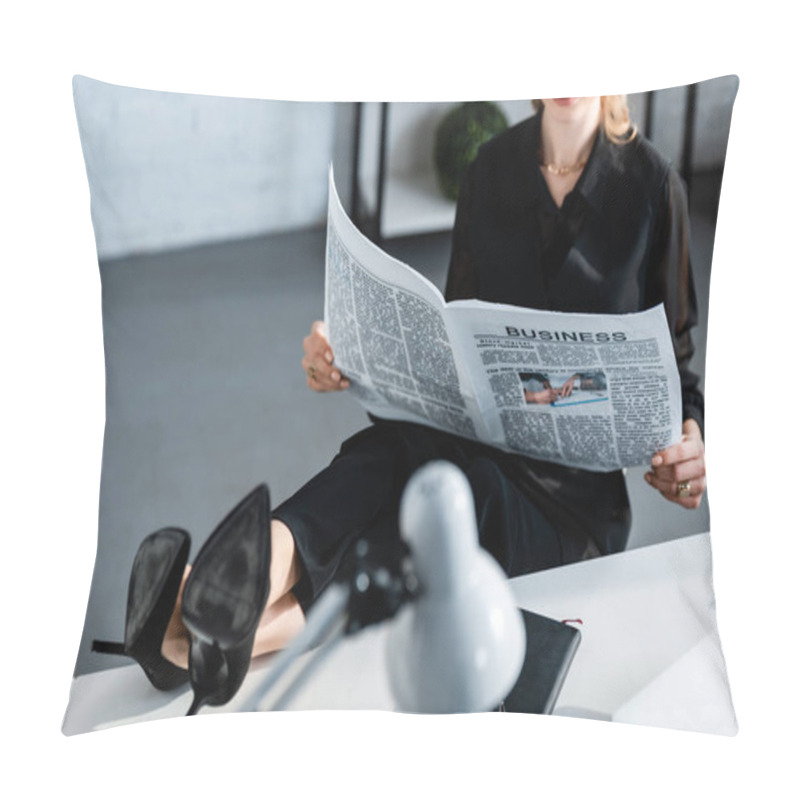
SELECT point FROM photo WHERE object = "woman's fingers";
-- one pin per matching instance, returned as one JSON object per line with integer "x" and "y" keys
{"x": 670, "y": 484}
{"x": 679, "y": 471}
{"x": 316, "y": 346}
{"x": 321, "y": 375}
{"x": 323, "y": 379}
{"x": 689, "y": 447}
{"x": 317, "y": 362}
{"x": 687, "y": 493}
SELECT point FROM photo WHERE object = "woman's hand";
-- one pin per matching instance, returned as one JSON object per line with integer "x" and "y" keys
{"x": 679, "y": 471}
{"x": 321, "y": 375}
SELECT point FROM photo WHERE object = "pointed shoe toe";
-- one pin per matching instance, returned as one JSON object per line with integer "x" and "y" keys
{"x": 224, "y": 598}
{"x": 153, "y": 589}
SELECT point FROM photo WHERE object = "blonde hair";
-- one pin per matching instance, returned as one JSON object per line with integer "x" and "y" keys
{"x": 616, "y": 117}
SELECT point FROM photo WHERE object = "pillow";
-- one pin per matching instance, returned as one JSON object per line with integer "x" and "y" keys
{"x": 210, "y": 223}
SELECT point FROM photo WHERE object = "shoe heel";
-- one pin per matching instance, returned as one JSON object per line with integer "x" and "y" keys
{"x": 216, "y": 673}
{"x": 111, "y": 648}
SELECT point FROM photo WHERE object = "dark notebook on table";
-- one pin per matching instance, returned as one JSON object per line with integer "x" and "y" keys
{"x": 549, "y": 650}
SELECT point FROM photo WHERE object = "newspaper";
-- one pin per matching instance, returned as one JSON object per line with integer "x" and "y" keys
{"x": 595, "y": 391}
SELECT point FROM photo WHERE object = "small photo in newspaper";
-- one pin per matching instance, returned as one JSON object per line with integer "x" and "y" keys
{"x": 559, "y": 389}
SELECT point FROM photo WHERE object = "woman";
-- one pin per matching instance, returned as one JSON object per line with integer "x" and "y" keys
{"x": 569, "y": 210}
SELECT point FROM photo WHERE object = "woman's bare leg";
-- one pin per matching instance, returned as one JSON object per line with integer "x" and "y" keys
{"x": 282, "y": 617}
{"x": 175, "y": 647}
{"x": 284, "y": 568}
{"x": 279, "y": 624}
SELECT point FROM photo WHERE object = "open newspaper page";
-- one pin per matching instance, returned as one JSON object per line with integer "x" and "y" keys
{"x": 596, "y": 391}
{"x": 385, "y": 324}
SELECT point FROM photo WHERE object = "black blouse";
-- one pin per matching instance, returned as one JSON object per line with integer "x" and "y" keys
{"x": 619, "y": 243}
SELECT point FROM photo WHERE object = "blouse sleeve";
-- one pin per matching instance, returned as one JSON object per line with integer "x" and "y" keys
{"x": 462, "y": 276}
{"x": 670, "y": 281}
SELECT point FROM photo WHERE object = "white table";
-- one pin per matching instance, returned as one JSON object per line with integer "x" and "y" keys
{"x": 649, "y": 654}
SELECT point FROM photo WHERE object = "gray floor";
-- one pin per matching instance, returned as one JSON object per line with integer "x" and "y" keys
{"x": 206, "y": 397}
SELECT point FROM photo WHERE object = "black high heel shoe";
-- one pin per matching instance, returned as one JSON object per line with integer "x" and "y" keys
{"x": 223, "y": 599}
{"x": 152, "y": 591}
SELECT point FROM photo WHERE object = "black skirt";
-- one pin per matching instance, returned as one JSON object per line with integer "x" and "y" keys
{"x": 358, "y": 496}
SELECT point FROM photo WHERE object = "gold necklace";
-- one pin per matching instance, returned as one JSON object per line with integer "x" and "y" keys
{"x": 554, "y": 170}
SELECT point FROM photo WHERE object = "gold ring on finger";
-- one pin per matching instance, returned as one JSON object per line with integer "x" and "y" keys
{"x": 312, "y": 373}
{"x": 684, "y": 488}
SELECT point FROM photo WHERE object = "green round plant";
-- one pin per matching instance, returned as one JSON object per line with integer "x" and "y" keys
{"x": 458, "y": 136}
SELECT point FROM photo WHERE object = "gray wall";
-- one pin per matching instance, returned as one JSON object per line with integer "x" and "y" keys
{"x": 171, "y": 170}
